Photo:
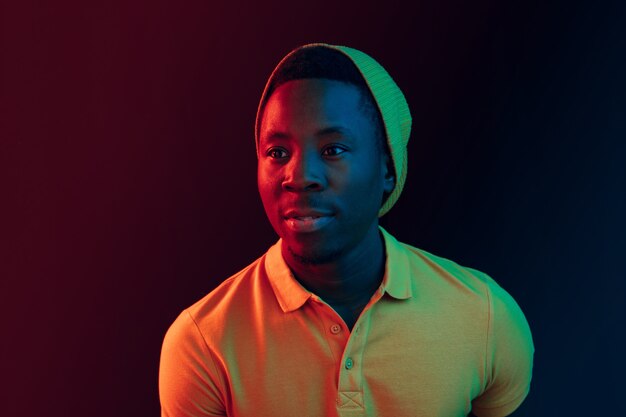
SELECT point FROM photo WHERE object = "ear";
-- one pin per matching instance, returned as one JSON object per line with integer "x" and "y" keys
{"x": 389, "y": 181}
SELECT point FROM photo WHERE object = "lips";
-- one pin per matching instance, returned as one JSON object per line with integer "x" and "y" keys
{"x": 306, "y": 221}
{"x": 305, "y": 214}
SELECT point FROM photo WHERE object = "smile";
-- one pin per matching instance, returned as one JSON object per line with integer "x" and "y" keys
{"x": 307, "y": 223}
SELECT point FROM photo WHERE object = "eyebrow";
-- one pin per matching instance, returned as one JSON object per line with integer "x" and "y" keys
{"x": 334, "y": 129}
{"x": 278, "y": 135}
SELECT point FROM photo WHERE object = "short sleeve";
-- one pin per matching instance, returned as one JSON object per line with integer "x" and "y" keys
{"x": 510, "y": 352}
{"x": 188, "y": 378}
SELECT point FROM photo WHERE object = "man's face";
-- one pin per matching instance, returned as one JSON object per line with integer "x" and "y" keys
{"x": 321, "y": 174}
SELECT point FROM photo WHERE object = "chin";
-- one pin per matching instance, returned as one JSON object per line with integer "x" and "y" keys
{"x": 312, "y": 255}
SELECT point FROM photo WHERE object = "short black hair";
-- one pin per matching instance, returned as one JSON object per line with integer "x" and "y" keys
{"x": 327, "y": 63}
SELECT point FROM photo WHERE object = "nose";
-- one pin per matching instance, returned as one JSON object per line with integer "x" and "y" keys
{"x": 304, "y": 172}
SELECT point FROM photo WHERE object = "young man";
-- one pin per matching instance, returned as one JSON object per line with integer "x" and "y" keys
{"x": 338, "y": 318}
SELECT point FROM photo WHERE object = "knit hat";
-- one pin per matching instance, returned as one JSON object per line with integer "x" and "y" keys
{"x": 391, "y": 103}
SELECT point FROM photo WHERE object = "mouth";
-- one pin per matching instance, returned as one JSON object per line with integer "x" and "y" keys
{"x": 307, "y": 224}
{"x": 305, "y": 217}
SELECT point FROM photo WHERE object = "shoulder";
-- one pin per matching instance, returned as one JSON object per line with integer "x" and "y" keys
{"x": 446, "y": 271}
{"x": 234, "y": 291}
{"x": 191, "y": 375}
{"x": 222, "y": 304}
{"x": 436, "y": 271}
{"x": 509, "y": 344}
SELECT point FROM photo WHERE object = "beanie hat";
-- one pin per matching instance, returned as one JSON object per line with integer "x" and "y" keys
{"x": 391, "y": 104}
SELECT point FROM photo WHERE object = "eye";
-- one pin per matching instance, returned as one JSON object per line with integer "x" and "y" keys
{"x": 277, "y": 153}
{"x": 333, "y": 150}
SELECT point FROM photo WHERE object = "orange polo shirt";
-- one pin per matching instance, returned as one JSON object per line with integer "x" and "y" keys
{"x": 436, "y": 340}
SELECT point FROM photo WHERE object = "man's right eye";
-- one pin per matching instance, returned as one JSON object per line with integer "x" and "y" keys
{"x": 277, "y": 153}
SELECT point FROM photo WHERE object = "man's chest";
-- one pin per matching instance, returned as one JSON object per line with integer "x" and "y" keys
{"x": 310, "y": 364}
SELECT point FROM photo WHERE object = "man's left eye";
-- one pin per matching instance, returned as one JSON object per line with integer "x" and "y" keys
{"x": 333, "y": 151}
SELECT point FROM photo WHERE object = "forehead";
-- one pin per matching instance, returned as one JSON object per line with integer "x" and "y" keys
{"x": 311, "y": 104}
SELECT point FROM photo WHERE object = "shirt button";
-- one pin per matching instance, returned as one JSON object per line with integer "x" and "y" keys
{"x": 335, "y": 328}
{"x": 349, "y": 363}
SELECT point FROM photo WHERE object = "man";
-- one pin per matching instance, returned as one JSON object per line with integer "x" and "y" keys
{"x": 338, "y": 318}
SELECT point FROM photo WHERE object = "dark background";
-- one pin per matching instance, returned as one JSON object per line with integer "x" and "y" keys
{"x": 127, "y": 173}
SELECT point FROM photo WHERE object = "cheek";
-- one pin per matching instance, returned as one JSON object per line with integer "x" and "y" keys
{"x": 267, "y": 184}
{"x": 364, "y": 190}
{"x": 362, "y": 179}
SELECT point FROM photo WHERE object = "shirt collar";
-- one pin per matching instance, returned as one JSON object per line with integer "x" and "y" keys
{"x": 291, "y": 295}
{"x": 397, "y": 279}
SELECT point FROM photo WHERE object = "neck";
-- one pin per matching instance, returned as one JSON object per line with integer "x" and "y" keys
{"x": 351, "y": 279}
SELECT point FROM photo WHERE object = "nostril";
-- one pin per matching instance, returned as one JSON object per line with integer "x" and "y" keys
{"x": 302, "y": 185}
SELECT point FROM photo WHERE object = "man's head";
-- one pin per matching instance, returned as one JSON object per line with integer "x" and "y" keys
{"x": 326, "y": 63}
{"x": 325, "y": 166}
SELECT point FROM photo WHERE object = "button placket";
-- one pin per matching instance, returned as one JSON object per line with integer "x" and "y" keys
{"x": 332, "y": 331}
{"x": 351, "y": 368}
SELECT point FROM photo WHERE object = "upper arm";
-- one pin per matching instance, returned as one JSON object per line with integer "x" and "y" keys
{"x": 189, "y": 384}
{"x": 510, "y": 352}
